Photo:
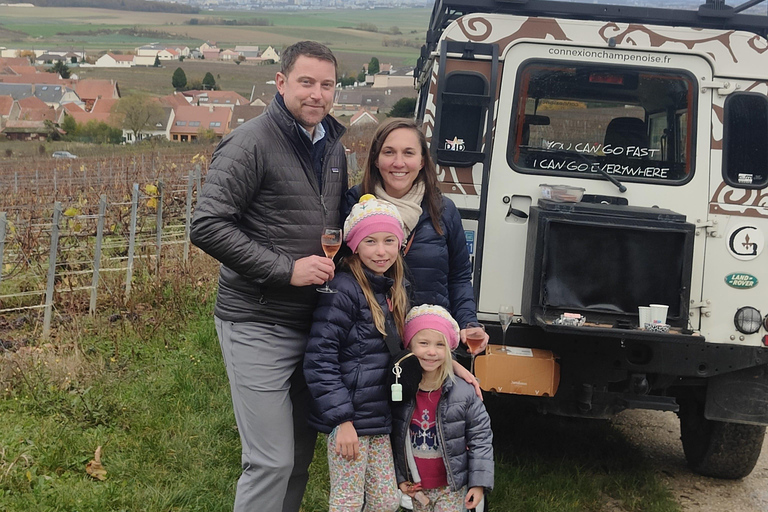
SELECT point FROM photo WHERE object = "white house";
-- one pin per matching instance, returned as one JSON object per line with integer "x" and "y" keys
{"x": 270, "y": 54}
{"x": 161, "y": 129}
{"x": 110, "y": 60}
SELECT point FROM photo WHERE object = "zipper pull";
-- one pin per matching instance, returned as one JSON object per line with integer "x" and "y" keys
{"x": 325, "y": 208}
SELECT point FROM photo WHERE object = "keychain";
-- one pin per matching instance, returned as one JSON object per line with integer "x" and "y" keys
{"x": 397, "y": 388}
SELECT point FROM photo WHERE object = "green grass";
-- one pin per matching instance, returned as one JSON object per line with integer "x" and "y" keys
{"x": 151, "y": 389}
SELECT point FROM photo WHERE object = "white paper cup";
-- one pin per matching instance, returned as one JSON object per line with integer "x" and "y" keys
{"x": 644, "y": 314}
{"x": 659, "y": 313}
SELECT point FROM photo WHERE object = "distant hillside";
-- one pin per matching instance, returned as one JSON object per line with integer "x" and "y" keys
{"x": 123, "y": 5}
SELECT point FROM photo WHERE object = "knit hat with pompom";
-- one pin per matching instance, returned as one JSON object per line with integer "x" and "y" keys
{"x": 371, "y": 215}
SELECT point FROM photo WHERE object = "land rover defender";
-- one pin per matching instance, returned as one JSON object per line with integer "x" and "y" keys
{"x": 655, "y": 123}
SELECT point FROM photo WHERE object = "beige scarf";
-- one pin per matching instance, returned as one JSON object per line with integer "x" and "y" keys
{"x": 408, "y": 206}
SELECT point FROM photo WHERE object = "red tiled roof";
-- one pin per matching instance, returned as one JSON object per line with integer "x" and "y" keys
{"x": 37, "y": 78}
{"x": 37, "y": 114}
{"x": 92, "y": 89}
{"x": 6, "y": 102}
{"x": 24, "y": 70}
{"x": 205, "y": 116}
{"x": 32, "y": 102}
{"x": 121, "y": 58}
{"x": 174, "y": 100}
{"x": 14, "y": 61}
{"x": 219, "y": 98}
{"x": 72, "y": 107}
{"x": 103, "y": 105}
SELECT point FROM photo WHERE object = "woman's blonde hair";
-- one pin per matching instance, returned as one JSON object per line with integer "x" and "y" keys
{"x": 399, "y": 297}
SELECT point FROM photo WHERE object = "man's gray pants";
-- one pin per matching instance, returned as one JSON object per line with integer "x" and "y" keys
{"x": 271, "y": 401}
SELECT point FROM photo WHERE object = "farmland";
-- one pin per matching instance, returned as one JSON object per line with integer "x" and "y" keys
{"x": 338, "y": 29}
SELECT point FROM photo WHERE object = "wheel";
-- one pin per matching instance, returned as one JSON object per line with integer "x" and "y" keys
{"x": 716, "y": 448}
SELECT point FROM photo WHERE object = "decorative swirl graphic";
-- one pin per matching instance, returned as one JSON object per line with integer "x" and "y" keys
{"x": 757, "y": 43}
{"x": 476, "y": 29}
{"x": 657, "y": 40}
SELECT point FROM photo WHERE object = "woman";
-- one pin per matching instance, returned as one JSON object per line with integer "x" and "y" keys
{"x": 400, "y": 170}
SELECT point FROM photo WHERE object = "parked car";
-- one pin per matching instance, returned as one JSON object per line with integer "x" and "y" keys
{"x": 63, "y": 154}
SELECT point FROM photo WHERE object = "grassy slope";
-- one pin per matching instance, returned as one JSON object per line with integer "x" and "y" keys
{"x": 152, "y": 391}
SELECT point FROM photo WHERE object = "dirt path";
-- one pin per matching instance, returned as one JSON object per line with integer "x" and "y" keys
{"x": 658, "y": 435}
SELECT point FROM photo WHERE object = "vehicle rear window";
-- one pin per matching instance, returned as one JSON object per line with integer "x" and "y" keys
{"x": 575, "y": 119}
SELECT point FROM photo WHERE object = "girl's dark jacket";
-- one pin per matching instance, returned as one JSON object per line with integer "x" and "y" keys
{"x": 464, "y": 432}
{"x": 347, "y": 360}
{"x": 438, "y": 265}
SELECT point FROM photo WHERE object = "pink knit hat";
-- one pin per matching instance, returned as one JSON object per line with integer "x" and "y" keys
{"x": 371, "y": 215}
{"x": 428, "y": 316}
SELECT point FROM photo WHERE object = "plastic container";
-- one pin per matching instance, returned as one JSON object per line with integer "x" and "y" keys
{"x": 561, "y": 193}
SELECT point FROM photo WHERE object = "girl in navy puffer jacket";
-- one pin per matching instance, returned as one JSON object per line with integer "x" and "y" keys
{"x": 347, "y": 360}
{"x": 442, "y": 438}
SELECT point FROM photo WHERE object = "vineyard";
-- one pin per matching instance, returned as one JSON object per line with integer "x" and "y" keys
{"x": 99, "y": 220}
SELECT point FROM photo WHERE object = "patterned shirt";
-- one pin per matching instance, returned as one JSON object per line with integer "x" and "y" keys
{"x": 427, "y": 452}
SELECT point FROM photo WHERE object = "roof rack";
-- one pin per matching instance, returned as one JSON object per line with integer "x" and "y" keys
{"x": 711, "y": 14}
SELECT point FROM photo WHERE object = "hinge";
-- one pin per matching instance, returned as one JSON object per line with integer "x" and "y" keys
{"x": 709, "y": 226}
{"x": 723, "y": 88}
{"x": 703, "y": 306}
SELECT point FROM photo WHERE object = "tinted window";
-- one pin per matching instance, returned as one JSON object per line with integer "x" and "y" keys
{"x": 745, "y": 141}
{"x": 460, "y": 123}
{"x": 572, "y": 119}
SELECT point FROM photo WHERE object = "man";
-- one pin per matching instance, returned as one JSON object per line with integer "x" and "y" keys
{"x": 273, "y": 185}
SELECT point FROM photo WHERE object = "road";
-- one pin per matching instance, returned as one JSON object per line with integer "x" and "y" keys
{"x": 657, "y": 434}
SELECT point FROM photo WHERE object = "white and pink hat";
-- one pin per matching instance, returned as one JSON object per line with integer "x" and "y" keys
{"x": 428, "y": 316}
{"x": 371, "y": 215}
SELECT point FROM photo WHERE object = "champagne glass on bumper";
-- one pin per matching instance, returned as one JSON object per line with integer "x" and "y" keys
{"x": 506, "y": 313}
{"x": 331, "y": 242}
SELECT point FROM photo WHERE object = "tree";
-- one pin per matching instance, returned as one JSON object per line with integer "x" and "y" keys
{"x": 61, "y": 68}
{"x": 179, "y": 79}
{"x": 157, "y": 61}
{"x": 139, "y": 112}
{"x": 405, "y": 107}
{"x": 209, "y": 83}
{"x": 205, "y": 135}
{"x": 373, "y": 66}
{"x": 361, "y": 77}
{"x": 69, "y": 125}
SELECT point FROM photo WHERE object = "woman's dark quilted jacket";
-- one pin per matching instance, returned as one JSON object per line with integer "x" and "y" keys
{"x": 464, "y": 432}
{"x": 347, "y": 360}
{"x": 438, "y": 265}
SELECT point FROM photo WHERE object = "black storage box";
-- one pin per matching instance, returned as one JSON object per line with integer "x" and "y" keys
{"x": 605, "y": 260}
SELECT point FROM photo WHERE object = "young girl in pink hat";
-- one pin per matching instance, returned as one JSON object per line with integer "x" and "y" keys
{"x": 441, "y": 438}
{"x": 347, "y": 360}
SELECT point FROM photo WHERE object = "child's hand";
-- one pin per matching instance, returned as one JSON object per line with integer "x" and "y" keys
{"x": 347, "y": 444}
{"x": 474, "y": 497}
{"x": 410, "y": 488}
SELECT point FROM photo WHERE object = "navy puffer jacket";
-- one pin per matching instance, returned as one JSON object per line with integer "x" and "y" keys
{"x": 438, "y": 265}
{"x": 464, "y": 431}
{"x": 347, "y": 361}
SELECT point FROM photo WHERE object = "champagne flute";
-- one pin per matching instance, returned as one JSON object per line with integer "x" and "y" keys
{"x": 506, "y": 312}
{"x": 475, "y": 337}
{"x": 331, "y": 242}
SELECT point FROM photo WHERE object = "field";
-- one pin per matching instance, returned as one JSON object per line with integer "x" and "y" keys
{"x": 337, "y": 28}
{"x": 143, "y": 378}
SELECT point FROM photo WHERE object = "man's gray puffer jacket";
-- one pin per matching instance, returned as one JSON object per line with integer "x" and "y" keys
{"x": 261, "y": 209}
{"x": 464, "y": 432}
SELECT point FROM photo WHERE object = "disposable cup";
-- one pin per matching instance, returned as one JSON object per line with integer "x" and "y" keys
{"x": 644, "y": 313}
{"x": 659, "y": 313}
